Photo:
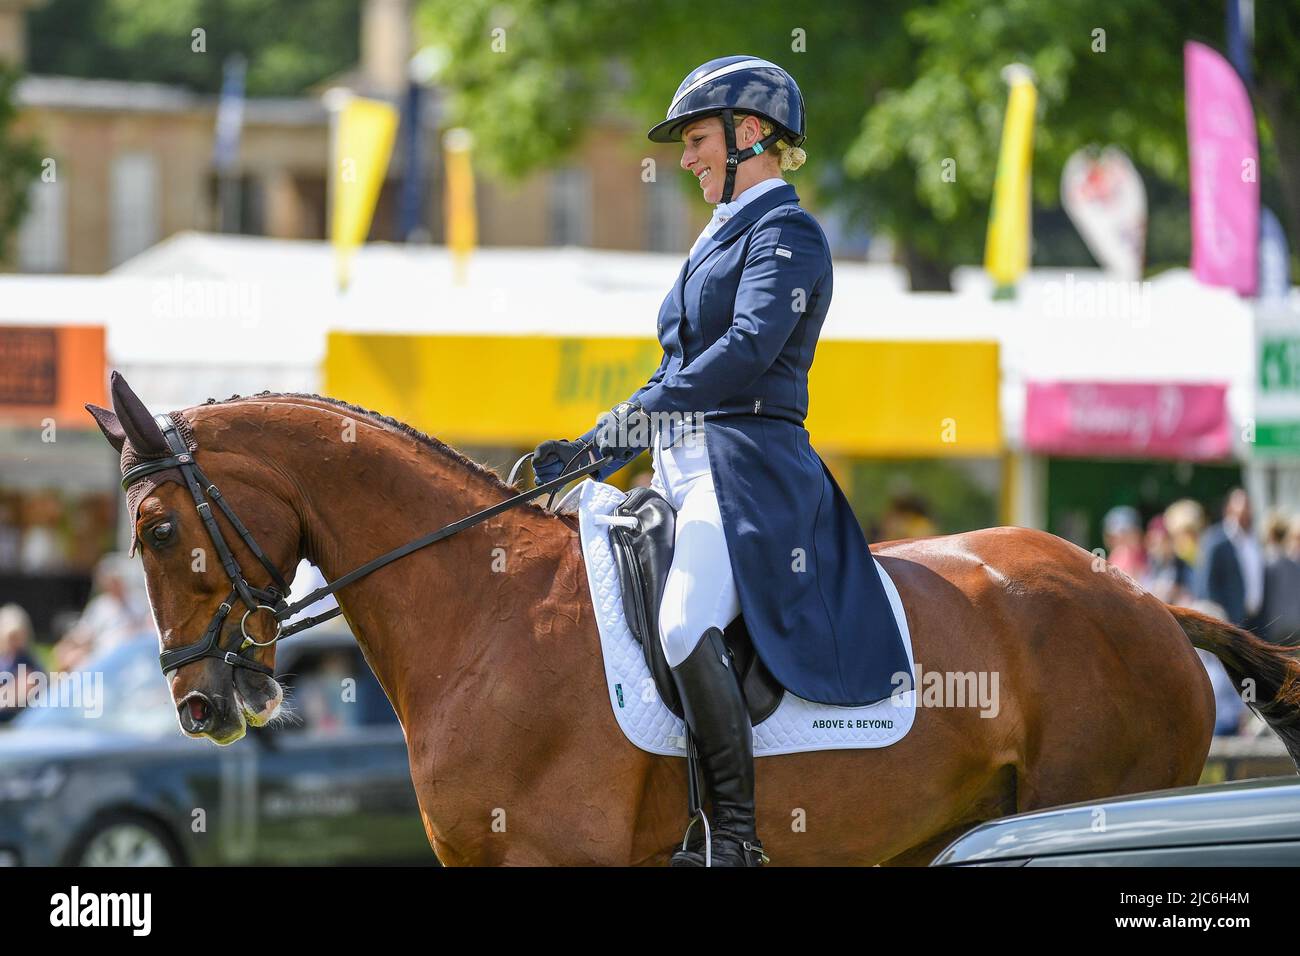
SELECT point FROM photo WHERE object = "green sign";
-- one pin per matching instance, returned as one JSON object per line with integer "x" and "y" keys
{"x": 1277, "y": 388}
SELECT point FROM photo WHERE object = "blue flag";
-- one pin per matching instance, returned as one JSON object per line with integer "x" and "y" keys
{"x": 1241, "y": 36}
{"x": 230, "y": 115}
{"x": 411, "y": 210}
{"x": 1274, "y": 257}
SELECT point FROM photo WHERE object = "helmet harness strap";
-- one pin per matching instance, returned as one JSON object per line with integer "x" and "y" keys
{"x": 736, "y": 157}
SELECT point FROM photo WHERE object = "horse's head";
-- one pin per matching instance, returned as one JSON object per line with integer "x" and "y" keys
{"x": 205, "y": 607}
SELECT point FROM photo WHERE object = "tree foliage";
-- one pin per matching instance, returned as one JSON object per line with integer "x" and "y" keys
{"x": 20, "y": 161}
{"x": 893, "y": 89}
{"x": 290, "y": 44}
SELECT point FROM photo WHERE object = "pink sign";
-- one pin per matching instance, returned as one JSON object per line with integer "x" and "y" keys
{"x": 1223, "y": 155}
{"x": 1134, "y": 421}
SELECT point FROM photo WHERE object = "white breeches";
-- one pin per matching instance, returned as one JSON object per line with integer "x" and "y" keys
{"x": 700, "y": 592}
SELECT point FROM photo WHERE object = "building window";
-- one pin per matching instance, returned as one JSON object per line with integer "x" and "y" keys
{"x": 134, "y": 208}
{"x": 665, "y": 215}
{"x": 43, "y": 237}
{"x": 570, "y": 219}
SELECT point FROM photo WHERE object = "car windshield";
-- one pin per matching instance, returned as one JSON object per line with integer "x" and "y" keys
{"x": 119, "y": 691}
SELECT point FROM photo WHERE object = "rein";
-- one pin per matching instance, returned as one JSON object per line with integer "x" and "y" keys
{"x": 274, "y": 598}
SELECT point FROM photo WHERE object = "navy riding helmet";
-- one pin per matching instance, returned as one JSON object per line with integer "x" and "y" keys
{"x": 736, "y": 84}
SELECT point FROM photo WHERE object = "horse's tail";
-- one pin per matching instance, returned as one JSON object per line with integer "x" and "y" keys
{"x": 1266, "y": 675}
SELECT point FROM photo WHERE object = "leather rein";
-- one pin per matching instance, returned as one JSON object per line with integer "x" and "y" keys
{"x": 274, "y": 599}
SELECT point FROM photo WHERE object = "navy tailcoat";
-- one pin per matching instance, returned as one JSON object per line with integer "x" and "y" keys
{"x": 738, "y": 331}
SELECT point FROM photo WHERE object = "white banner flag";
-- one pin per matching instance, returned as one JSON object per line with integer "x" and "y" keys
{"x": 1104, "y": 197}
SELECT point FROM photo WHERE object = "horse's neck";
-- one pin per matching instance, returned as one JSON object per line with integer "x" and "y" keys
{"x": 434, "y": 613}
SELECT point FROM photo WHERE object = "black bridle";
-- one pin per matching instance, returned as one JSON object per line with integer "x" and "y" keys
{"x": 274, "y": 599}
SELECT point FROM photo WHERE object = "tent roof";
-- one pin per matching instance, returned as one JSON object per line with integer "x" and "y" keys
{"x": 261, "y": 310}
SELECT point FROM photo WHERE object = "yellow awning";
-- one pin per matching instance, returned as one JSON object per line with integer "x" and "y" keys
{"x": 875, "y": 398}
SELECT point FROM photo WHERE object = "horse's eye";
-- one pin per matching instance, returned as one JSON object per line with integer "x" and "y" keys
{"x": 162, "y": 531}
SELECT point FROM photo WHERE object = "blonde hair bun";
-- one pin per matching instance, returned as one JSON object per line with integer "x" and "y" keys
{"x": 789, "y": 157}
{"x": 792, "y": 157}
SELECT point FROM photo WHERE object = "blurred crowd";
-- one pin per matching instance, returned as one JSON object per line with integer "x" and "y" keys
{"x": 1230, "y": 568}
{"x": 118, "y": 611}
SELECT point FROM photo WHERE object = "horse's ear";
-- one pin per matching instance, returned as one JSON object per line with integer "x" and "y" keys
{"x": 109, "y": 425}
{"x": 138, "y": 425}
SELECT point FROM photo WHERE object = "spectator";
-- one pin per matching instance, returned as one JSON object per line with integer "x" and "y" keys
{"x": 1229, "y": 709}
{"x": 1230, "y": 571}
{"x": 324, "y": 702}
{"x": 1275, "y": 527}
{"x": 1167, "y": 575}
{"x": 1185, "y": 520}
{"x": 1121, "y": 531}
{"x": 1280, "y": 618}
{"x": 18, "y": 668}
{"x": 117, "y": 613}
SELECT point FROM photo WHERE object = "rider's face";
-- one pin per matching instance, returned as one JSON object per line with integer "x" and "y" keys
{"x": 704, "y": 152}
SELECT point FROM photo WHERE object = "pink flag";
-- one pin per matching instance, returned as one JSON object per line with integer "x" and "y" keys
{"x": 1224, "y": 167}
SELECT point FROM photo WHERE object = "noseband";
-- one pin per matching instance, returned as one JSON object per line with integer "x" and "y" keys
{"x": 274, "y": 599}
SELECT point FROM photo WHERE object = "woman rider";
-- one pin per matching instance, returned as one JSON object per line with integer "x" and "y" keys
{"x": 762, "y": 529}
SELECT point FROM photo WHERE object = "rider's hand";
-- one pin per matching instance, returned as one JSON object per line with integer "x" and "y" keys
{"x": 550, "y": 457}
{"x": 623, "y": 431}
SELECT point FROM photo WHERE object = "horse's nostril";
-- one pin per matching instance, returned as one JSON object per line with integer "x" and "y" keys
{"x": 198, "y": 710}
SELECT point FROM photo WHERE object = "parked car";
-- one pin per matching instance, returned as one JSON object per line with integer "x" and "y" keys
{"x": 330, "y": 785}
{"x": 1242, "y": 823}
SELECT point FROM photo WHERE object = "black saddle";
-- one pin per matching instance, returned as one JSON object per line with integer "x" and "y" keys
{"x": 643, "y": 555}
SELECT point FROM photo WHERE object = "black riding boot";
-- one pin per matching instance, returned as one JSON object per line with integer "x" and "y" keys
{"x": 719, "y": 721}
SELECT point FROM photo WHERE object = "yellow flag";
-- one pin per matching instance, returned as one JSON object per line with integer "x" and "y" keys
{"x": 462, "y": 221}
{"x": 1006, "y": 249}
{"x": 363, "y": 142}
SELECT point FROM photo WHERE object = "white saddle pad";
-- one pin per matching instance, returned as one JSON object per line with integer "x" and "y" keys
{"x": 797, "y": 725}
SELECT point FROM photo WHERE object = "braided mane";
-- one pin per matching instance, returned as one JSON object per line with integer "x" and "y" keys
{"x": 483, "y": 472}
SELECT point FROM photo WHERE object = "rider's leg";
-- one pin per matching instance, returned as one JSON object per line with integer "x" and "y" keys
{"x": 719, "y": 721}
{"x": 699, "y": 600}
{"x": 700, "y": 591}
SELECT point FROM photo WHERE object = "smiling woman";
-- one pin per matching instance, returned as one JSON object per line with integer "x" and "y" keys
{"x": 727, "y": 93}
{"x": 705, "y": 156}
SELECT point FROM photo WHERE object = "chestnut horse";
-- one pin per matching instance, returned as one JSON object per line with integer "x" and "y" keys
{"x": 487, "y": 646}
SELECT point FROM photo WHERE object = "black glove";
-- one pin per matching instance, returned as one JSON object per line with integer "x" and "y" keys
{"x": 550, "y": 457}
{"x": 623, "y": 431}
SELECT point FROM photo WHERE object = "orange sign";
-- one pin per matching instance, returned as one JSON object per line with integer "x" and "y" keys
{"x": 49, "y": 372}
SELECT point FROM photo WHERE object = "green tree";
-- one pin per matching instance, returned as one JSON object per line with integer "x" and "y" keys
{"x": 893, "y": 89}
{"x": 20, "y": 163}
{"x": 290, "y": 44}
